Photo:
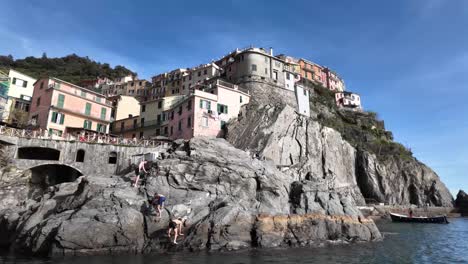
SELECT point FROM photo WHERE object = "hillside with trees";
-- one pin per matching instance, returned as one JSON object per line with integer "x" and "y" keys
{"x": 71, "y": 68}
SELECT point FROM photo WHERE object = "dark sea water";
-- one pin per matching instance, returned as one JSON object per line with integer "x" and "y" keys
{"x": 403, "y": 243}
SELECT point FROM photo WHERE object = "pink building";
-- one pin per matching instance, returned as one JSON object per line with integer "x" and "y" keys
{"x": 58, "y": 106}
{"x": 334, "y": 82}
{"x": 204, "y": 113}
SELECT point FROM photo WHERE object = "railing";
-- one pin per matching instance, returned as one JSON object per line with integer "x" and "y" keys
{"x": 90, "y": 138}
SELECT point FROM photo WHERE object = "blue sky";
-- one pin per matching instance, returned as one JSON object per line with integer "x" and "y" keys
{"x": 407, "y": 58}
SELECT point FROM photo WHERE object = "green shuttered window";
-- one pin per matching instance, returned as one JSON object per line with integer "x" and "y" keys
{"x": 88, "y": 109}
{"x": 61, "y": 100}
{"x": 103, "y": 113}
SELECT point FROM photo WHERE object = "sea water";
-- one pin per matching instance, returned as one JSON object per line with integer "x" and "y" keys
{"x": 403, "y": 243}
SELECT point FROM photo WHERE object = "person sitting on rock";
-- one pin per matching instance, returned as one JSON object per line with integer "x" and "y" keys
{"x": 158, "y": 203}
{"x": 176, "y": 226}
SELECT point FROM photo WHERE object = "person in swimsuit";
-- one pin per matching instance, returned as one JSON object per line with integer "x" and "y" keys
{"x": 176, "y": 226}
{"x": 142, "y": 171}
{"x": 158, "y": 203}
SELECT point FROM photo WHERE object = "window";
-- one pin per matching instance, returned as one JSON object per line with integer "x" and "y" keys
{"x": 42, "y": 85}
{"x": 223, "y": 109}
{"x": 57, "y": 118}
{"x": 135, "y": 123}
{"x": 223, "y": 124}
{"x": 205, "y": 104}
{"x": 305, "y": 92}
{"x": 61, "y": 100}
{"x": 189, "y": 121}
{"x": 14, "y": 81}
{"x": 141, "y": 134}
{"x": 158, "y": 132}
{"x": 199, "y": 73}
{"x": 240, "y": 99}
{"x": 83, "y": 94}
{"x": 205, "y": 72}
{"x": 34, "y": 119}
{"x": 57, "y": 85}
{"x": 254, "y": 67}
{"x": 172, "y": 115}
{"x": 189, "y": 105}
{"x": 180, "y": 110}
{"x": 275, "y": 75}
{"x": 266, "y": 71}
{"x": 80, "y": 154}
{"x": 158, "y": 118}
{"x": 172, "y": 130}
{"x": 159, "y": 104}
{"x": 87, "y": 124}
{"x": 103, "y": 113}
{"x": 180, "y": 125}
{"x": 190, "y": 77}
{"x": 266, "y": 59}
{"x": 288, "y": 76}
{"x": 101, "y": 128}
{"x": 165, "y": 130}
{"x": 205, "y": 121}
{"x": 98, "y": 99}
{"x": 113, "y": 157}
{"x": 88, "y": 109}
{"x": 122, "y": 125}
{"x": 38, "y": 101}
{"x": 142, "y": 121}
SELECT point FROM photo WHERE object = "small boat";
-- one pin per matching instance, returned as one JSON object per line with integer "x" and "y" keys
{"x": 441, "y": 219}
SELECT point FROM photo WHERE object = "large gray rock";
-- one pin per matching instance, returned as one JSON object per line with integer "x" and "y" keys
{"x": 305, "y": 149}
{"x": 225, "y": 194}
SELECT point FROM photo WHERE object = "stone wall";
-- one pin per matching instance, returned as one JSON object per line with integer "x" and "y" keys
{"x": 96, "y": 158}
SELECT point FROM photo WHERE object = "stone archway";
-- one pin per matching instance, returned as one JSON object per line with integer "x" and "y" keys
{"x": 43, "y": 176}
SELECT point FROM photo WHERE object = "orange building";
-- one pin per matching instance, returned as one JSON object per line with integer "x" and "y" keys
{"x": 58, "y": 106}
{"x": 313, "y": 72}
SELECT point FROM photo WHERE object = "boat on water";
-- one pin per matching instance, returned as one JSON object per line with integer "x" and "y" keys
{"x": 441, "y": 219}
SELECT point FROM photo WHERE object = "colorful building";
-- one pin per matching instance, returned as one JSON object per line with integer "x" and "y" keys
{"x": 348, "y": 100}
{"x": 129, "y": 127}
{"x": 204, "y": 112}
{"x": 334, "y": 82}
{"x": 313, "y": 72}
{"x": 58, "y": 106}
{"x": 18, "y": 93}
{"x": 124, "y": 106}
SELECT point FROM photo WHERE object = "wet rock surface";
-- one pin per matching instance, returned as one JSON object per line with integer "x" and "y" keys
{"x": 462, "y": 202}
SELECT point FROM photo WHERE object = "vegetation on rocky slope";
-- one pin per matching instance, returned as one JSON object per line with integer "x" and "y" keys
{"x": 71, "y": 68}
{"x": 363, "y": 130}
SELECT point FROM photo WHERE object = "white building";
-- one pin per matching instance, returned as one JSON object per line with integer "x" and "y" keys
{"x": 348, "y": 100}
{"x": 18, "y": 96}
{"x": 303, "y": 103}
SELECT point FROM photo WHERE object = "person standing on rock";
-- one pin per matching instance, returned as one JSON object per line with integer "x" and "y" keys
{"x": 176, "y": 226}
{"x": 158, "y": 203}
{"x": 142, "y": 171}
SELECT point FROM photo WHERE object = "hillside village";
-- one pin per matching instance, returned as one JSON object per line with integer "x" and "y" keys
{"x": 182, "y": 103}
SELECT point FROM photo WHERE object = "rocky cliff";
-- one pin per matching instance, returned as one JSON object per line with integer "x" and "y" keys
{"x": 231, "y": 200}
{"x": 280, "y": 179}
{"x": 347, "y": 149}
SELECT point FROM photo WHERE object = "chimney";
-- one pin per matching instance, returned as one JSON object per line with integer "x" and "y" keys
{"x": 271, "y": 51}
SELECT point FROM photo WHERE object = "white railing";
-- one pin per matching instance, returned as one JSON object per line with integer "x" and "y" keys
{"x": 90, "y": 138}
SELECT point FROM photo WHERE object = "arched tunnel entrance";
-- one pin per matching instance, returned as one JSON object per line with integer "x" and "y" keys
{"x": 43, "y": 176}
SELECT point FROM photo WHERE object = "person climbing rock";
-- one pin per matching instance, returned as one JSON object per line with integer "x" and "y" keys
{"x": 176, "y": 226}
{"x": 141, "y": 172}
{"x": 158, "y": 203}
